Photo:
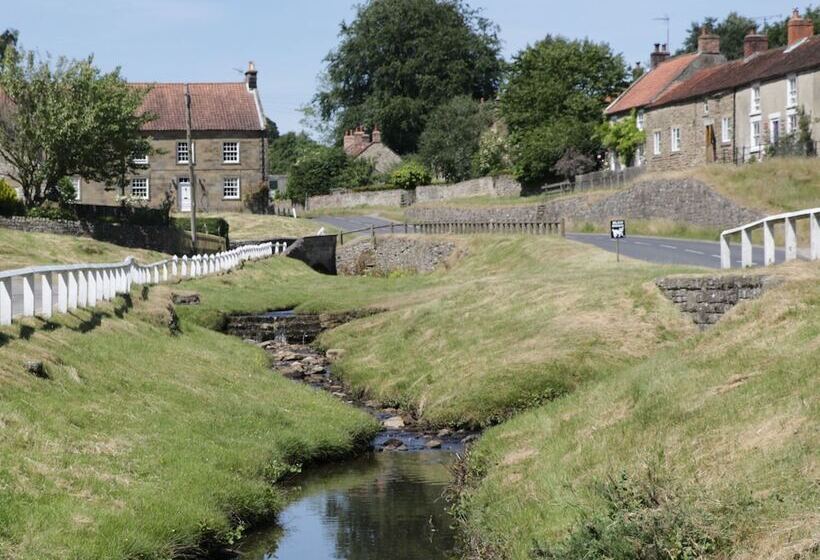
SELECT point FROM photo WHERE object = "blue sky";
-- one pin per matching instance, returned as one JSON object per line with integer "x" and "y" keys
{"x": 206, "y": 40}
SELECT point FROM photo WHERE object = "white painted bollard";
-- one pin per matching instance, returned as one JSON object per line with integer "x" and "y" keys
{"x": 791, "y": 239}
{"x": 5, "y": 301}
{"x": 28, "y": 295}
{"x": 814, "y": 234}
{"x": 768, "y": 244}
{"x": 73, "y": 290}
{"x": 62, "y": 291}
{"x": 745, "y": 249}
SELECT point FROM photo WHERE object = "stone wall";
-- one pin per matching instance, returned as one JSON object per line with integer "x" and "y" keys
{"x": 706, "y": 299}
{"x": 392, "y": 253}
{"x": 681, "y": 200}
{"x": 483, "y": 186}
{"x": 395, "y": 198}
{"x": 156, "y": 238}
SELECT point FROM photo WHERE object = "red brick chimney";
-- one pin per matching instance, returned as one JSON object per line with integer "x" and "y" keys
{"x": 349, "y": 142}
{"x": 250, "y": 76}
{"x": 799, "y": 28}
{"x": 708, "y": 43}
{"x": 754, "y": 43}
{"x": 658, "y": 55}
{"x": 376, "y": 136}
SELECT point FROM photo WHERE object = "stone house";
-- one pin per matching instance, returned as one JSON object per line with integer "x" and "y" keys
{"x": 732, "y": 111}
{"x": 229, "y": 148}
{"x": 359, "y": 145}
{"x": 664, "y": 73}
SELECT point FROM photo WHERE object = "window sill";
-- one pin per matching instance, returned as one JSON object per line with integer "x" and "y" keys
{"x": 183, "y": 162}
{"x": 230, "y": 163}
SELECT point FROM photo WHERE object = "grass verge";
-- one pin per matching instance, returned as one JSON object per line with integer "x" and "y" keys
{"x": 246, "y": 226}
{"x": 143, "y": 443}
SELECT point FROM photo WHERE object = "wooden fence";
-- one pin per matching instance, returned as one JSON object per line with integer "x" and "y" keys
{"x": 44, "y": 290}
{"x": 535, "y": 227}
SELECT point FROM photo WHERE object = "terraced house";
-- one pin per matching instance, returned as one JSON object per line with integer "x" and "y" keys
{"x": 229, "y": 147}
{"x": 734, "y": 111}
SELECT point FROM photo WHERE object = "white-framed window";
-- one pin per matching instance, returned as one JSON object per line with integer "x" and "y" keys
{"x": 230, "y": 152}
{"x": 675, "y": 139}
{"x": 755, "y": 108}
{"x": 139, "y": 188}
{"x": 639, "y": 120}
{"x": 183, "y": 153}
{"x": 640, "y": 155}
{"x": 656, "y": 140}
{"x": 705, "y": 106}
{"x": 791, "y": 91}
{"x": 754, "y": 134}
{"x": 792, "y": 121}
{"x": 725, "y": 130}
{"x": 141, "y": 159}
{"x": 77, "y": 182}
{"x": 774, "y": 129}
{"x": 230, "y": 188}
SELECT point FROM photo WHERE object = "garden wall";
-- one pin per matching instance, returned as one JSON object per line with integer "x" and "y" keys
{"x": 483, "y": 186}
{"x": 395, "y": 198}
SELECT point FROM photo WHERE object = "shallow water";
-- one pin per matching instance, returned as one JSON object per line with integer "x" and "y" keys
{"x": 380, "y": 506}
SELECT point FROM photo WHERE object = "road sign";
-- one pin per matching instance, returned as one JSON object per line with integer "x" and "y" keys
{"x": 617, "y": 229}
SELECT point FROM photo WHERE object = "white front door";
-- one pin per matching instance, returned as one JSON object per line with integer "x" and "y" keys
{"x": 184, "y": 194}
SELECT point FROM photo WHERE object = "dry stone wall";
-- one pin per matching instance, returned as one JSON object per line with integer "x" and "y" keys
{"x": 395, "y": 198}
{"x": 682, "y": 200}
{"x": 392, "y": 253}
{"x": 483, "y": 186}
{"x": 706, "y": 299}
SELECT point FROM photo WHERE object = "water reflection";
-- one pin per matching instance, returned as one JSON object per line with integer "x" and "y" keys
{"x": 385, "y": 505}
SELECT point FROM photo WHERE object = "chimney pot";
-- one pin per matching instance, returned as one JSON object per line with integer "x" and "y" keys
{"x": 250, "y": 76}
{"x": 657, "y": 57}
{"x": 799, "y": 28}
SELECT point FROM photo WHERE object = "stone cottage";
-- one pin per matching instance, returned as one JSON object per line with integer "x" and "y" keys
{"x": 359, "y": 145}
{"x": 229, "y": 148}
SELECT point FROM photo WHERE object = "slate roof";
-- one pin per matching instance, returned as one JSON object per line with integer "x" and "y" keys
{"x": 760, "y": 67}
{"x": 214, "y": 106}
{"x": 652, "y": 84}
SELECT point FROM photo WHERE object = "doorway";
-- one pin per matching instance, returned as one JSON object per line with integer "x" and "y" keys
{"x": 184, "y": 194}
{"x": 711, "y": 144}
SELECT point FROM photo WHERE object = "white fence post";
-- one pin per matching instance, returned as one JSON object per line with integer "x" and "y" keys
{"x": 768, "y": 243}
{"x": 5, "y": 301}
{"x": 92, "y": 298}
{"x": 82, "y": 288}
{"x": 791, "y": 239}
{"x": 28, "y": 295}
{"x": 73, "y": 291}
{"x": 814, "y": 233}
{"x": 62, "y": 291}
{"x": 46, "y": 295}
{"x": 745, "y": 249}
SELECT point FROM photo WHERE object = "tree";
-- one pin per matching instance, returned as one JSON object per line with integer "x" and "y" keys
{"x": 493, "y": 155}
{"x": 623, "y": 137}
{"x": 318, "y": 171}
{"x": 64, "y": 119}
{"x": 284, "y": 151}
{"x": 271, "y": 129}
{"x": 451, "y": 138}
{"x": 8, "y": 40}
{"x": 732, "y": 31}
{"x": 553, "y": 101}
{"x": 778, "y": 32}
{"x": 400, "y": 59}
{"x": 408, "y": 176}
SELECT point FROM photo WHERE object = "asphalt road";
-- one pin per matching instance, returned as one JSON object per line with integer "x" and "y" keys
{"x": 661, "y": 250}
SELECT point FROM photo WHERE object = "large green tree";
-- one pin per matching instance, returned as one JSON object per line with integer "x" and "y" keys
{"x": 451, "y": 138}
{"x": 67, "y": 118}
{"x": 285, "y": 150}
{"x": 8, "y": 39}
{"x": 400, "y": 59}
{"x": 778, "y": 31}
{"x": 553, "y": 101}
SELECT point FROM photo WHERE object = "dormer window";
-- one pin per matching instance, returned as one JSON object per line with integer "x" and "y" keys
{"x": 791, "y": 91}
{"x": 755, "y": 109}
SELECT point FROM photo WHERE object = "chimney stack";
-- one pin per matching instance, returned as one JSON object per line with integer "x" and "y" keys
{"x": 250, "y": 76}
{"x": 754, "y": 43}
{"x": 708, "y": 43}
{"x": 376, "y": 136}
{"x": 799, "y": 28}
{"x": 349, "y": 142}
{"x": 658, "y": 55}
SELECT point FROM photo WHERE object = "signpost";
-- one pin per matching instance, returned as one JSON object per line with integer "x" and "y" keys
{"x": 617, "y": 231}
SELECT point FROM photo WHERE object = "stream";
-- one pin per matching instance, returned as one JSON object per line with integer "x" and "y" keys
{"x": 387, "y": 503}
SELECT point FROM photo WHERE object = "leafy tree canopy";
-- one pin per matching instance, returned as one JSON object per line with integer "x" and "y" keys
{"x": 67, "y": 118}
{"x": 553, "y": 101}
{"x": 317, "y": 171}
{"x": 451, "y": 138}
{"x": 400, "y": 59}
{"x": 271, "y": 129}
{"x": 623, "y": 136}
{"x": 778, "y": 32}
{"x": 286, "y": 149}
{"x": 8, "y": 39}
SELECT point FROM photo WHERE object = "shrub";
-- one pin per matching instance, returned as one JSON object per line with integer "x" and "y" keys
{"x": 317, "y": 172}
{"x": 51, "y": 211}
{"x": 408, "y": 176}
{"x": 10, "y": 204}
{"x": 493, "y": 155}
{"x": 359, "y": 173}
{"x": 211, "y": 226}
{"x": 258, "y": 201}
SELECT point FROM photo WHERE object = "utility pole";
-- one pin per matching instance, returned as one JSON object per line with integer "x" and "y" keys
{"x": 191, "y": 173}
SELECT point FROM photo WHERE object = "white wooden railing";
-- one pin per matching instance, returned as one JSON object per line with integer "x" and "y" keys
{"x": 789, "y": 221}
{"x": 44, "y": 290}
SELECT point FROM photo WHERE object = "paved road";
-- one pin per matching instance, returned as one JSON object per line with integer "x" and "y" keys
{"x": 662, "y": 250}
{"x": 665, "y": 250}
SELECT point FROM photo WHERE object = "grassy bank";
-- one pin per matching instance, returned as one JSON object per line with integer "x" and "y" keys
{"x": 247, "y": 226}
{"x": 144, "y": 443}
{"x": 515, "y": 322}
{"x": 19, "y": 249}
{"x": 709, "y": 446}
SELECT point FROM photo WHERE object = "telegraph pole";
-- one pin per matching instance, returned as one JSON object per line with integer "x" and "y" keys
{"x": 191, "y": 173}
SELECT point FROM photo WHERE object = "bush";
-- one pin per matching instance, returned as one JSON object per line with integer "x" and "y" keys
{"x": 10, "y": 205}
{"x": 258, "y": 201}
{"x": 359, "y": 173}
{"x": 317, "y": 172}
{"x": 51, "y": 212}
{"x": 492, "y": 157}
{"x": 408, "y": 176}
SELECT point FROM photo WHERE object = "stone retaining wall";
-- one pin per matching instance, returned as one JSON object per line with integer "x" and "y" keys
{"x": 706, "y": 299}
{"x": 685, "y": 200}
{"x": 484, "y": 186}
{"x": 392, "y": 253}
{"x": 395, "y": 198}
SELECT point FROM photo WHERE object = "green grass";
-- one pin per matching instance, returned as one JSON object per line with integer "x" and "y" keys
{"x": 144, "y": 444}
{"x": 19, "y": 249}
{"x": 729, "y": 417}
{"x": 654, "y": 228}
{"x": 387, "y": 212}
{"x": 248, "y": 226}
{"x": 517, "y": 322}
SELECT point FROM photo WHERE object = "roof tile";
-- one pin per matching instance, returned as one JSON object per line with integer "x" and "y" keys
{"x": 651, "y": 85}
